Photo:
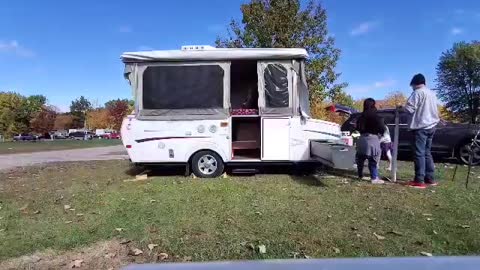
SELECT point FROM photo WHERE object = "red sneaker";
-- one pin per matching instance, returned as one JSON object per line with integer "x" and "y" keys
{"x": 431, "y": 183}
{"x": 414, "y": 184}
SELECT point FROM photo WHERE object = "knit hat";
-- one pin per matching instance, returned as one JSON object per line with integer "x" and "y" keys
{"x": 417, "y": 79}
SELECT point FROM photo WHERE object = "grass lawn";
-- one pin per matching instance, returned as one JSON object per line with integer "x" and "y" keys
{"x": 29, "y": 147}
{"x": 228, "y": 218}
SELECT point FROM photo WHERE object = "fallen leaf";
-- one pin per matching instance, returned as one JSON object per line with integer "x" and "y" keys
{"x": 423, "y": 253}
{"x": 429, "y": 219}
{"x": 435, "y": 232}
{"x": 359, "y": 235}
{"x": 119, "y": 229}
{"x": 110, "y": 255}
{"x": 37, "y": 212}
{"x": 329, "y": 216}
{"x": 396, "y": 233}
{"x": 162, "y": 256}
{"x": 135, "y": 252}
{"x": 152, "y": 201}
{"x": 23, "y": 208}
{"x": 141, "y": 177}
{"x": 72, "y": 209}
{"x": 262, "y": 249}
{"x": 258, "y": 213}
{"x": 465, "y": 226}
{"x": 336, "y": 250}
{"x": 79, "y": 215}
{"x": 125, "y": 241}
{"x": 194, "y": 176}
{"x": 76, "y": 264}
{"x": 122, "y": 199}
{"x": 152, "y": 246}
{"x": 379, "y": 237}
{"x": 427, "y": 214}
{"x": 225, "y": 175}
{"x": 66, "y": 207}
{"x": 68, "y": 222}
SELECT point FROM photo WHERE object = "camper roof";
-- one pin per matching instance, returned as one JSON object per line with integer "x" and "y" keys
{"x": 206, "y": 53}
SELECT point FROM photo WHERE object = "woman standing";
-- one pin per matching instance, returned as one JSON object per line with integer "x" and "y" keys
{"x": 371, "y": 127}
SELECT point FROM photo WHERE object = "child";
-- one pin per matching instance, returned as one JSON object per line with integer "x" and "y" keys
{"x": 386, "y": 146}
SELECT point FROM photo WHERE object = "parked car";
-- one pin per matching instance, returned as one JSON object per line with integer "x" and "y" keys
{"x": 25, "y": 137}
{"x": 80, "y": 135}
{"x": 450, "y": 140}
{"x": 112, "y": 135}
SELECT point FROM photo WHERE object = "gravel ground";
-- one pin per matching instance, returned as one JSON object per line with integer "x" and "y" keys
{"x": 28, "y": 159}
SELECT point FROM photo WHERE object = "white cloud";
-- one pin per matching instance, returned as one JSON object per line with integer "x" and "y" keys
{"x": 359, "y": 90}
{"x": 125, "y": 29}
{"x": 385, "y": 83}
{"x": 363, "y": 28}
{"x": 456, "y": 31}
{"x": 14, "y": 47}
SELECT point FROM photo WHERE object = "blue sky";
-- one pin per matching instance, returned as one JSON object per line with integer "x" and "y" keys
{"x": 64, "y": 49}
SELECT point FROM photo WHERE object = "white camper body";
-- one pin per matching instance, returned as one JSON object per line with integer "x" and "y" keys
{"x": 194, "y": 106}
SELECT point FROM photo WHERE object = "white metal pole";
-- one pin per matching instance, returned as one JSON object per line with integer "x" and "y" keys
{"x": 395, "y": 146}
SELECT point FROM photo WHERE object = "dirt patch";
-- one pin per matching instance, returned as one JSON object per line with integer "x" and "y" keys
{"x": 103, "y": 255}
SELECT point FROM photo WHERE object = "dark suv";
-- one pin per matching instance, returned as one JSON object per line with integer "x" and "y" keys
{"x": 450, "y": 140}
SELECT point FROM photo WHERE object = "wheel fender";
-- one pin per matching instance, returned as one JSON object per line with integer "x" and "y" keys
{"x": 205, "y": 146}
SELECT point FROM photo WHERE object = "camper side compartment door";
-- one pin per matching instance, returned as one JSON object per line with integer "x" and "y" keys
{"x": 276, "y": 138}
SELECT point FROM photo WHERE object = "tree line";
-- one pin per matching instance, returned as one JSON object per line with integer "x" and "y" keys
{"x": 285, "y": 24}
{"x": 33, "y": 114}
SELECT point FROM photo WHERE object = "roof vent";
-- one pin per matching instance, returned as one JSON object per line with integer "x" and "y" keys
{"x": 197, "y": 47}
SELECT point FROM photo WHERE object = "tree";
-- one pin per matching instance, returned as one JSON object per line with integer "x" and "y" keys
{"x": 117, "y": 109}
{"x": 458, "y": 79}
{"x": 79, "y": 109}
{"x": 392, "y": 100}
{"x": 283, "y": 24}
{"x": 14, "y": 118}
{"x": 63, "y": 122}
{"x": 99, "y": 119}
{"x": 44, "y": 120}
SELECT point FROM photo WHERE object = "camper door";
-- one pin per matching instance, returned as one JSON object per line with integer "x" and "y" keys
{"x": 275, "y": 90}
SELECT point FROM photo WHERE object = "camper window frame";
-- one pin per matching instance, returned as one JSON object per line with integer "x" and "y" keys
{"x": 183, "y": 114}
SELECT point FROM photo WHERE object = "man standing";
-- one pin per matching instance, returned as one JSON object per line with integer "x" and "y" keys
{"x": 423, "y": 106}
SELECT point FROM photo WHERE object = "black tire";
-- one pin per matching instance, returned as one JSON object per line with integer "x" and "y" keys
{"x": 463, "y": 154}
{"x": 213, "y": 164}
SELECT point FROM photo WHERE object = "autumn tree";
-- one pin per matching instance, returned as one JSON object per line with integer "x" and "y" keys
{"x": 63, "y": 122}
{"x": 392, "y": 100}
{"x": 117, "y": 110}
{"x": 44, "y": 120}
{"x": 14, "y": 118}
{"x": 284, "y": 24}
{"x": 458, "y": 79}
{"x": 99, "y": 119}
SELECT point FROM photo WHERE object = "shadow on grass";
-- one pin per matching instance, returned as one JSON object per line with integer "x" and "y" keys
{"x": 307, "y": 175}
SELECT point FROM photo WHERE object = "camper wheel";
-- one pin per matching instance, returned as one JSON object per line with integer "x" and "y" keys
{"x": 207, "y": 164}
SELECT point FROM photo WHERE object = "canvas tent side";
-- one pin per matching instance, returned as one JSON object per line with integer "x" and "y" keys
{"x": 184, "y": 85}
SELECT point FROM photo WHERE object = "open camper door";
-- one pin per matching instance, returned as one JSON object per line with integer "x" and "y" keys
{"x": 276, "y": 109}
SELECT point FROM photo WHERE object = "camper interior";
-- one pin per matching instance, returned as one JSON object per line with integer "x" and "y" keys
{"x": 246, "y": 131}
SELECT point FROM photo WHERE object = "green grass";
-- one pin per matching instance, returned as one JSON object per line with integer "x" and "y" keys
{"x": 221, "y": 219}
{"x": 29, "y": 147}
